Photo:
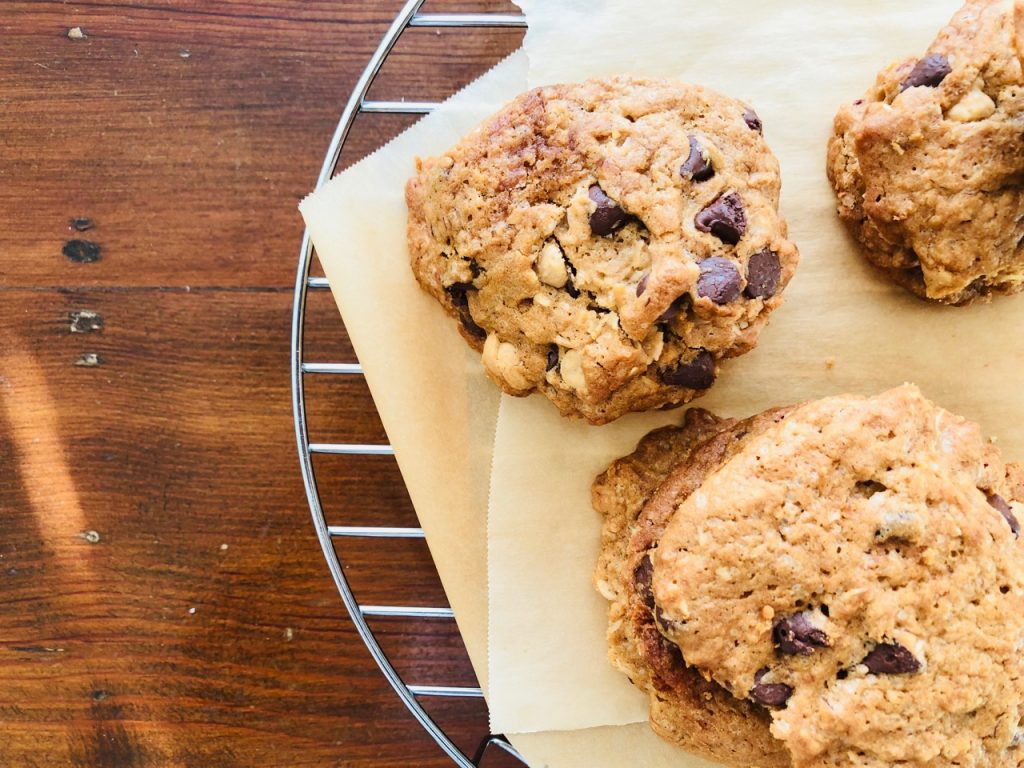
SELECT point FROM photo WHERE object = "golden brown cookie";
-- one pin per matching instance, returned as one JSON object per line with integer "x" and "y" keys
{"x": 927, "y": 165}
{"x": 636, "y": 495}
{"x": 605, "y": 243}
{"x": 844, "y": 576}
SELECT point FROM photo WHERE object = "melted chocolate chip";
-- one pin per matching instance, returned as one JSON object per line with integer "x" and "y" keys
{"x": 642, "y": 285}
{"x": 796, "y": 636}
{"x": 664, "y": 621}
{"x": 459, "y": 293}
{"x": 471, "y": 327}
{"x": 724, "y": 217}
{"x": 773, "y": 695}
{"x": 570, "y": 284}
{"x": 698, "y": 165}
{"x": 608, "y": 216}
{"x": 719, "y": 280}
{"x": 698, "y": 373}
{"x": 763, "y": 275}
{"x": 571, "y": 289}
{"x": 475, "y": 269}
{"x": 891, "y": 659}
{"x": 929, "y": 71}
{"x": 663, "y": 657}
{"x": 552, "y": 357}
{"x": 753, "y": 121}
{"x": 643, "y": 576}
{"x": 999, "y": 503}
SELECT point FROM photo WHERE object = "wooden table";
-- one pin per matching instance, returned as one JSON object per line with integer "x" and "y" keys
{"x": 165, "y": 602}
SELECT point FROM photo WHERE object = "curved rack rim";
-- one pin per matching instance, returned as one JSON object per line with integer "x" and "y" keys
{"x": 409, "y": 16}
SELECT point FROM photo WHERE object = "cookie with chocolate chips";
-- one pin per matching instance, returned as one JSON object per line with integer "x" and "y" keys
{"x": 841, "y": 584}
{"x": 606, "y": 243}
{"x": 636, "y": 496}
{"x": 927, "y": 165}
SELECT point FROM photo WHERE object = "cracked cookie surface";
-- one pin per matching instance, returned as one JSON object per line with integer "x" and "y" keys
{"x": 605, "y": 243}
{"x": 928, "y": 165}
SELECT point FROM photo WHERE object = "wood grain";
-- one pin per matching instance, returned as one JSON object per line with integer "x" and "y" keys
{"x": 190, "y": 136}
{"x": 165, "y": 601}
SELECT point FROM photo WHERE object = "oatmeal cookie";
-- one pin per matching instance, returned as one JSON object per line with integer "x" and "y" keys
{"x": 927, "y": 165}
{"x": 605, "y": 243}
{"x": 835, "y": 584}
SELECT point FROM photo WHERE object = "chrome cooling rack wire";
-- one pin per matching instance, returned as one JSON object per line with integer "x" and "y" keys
{"x": 410, "y": 695}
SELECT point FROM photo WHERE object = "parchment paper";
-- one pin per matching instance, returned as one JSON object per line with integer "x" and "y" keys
{"x": 438, "y": 409}
{"x": 843, "y": 328}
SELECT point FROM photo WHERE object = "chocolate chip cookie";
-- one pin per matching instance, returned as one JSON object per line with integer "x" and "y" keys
{"x": 927, "y": 165}
{"x": 605, "y": 243}
{"x": 836, "y": 584}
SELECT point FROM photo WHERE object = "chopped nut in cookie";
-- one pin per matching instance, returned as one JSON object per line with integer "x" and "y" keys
{"x": 551, "y": 269}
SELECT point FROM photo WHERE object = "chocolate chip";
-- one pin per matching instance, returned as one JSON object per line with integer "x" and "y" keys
{"x": 929, "y": 71}
{"x": 698, "y": 373}
{"x": 763, "y": 274}
{"x": 571, "y": 289}
{"x": 81, "y": 224}
{"x": 471, "y": 327}
{"x": 475, "y": 269}
{"x": 608, "y": 216}
{"x": 724, "y": 218}
{"x": 665, "y": 622}
{"x": 719, "y": 280}
{"x": 643, "y": 576}
{"x": 82, "y": 251}
{"x": 570, "y": 284}
{"x": 773, "y": 695}
{"x": 999, "y": 503}
{"x": 698, "y": 165}
{"x": 752, "y": 120}
{"x": 459, "y": 293}
{"x": 796, "y": 636}
{"x": 642, "y": 285}
{"x": 552, "y": 357}
{"x": 674, "y": 309}
{"x": 891, "y": 659}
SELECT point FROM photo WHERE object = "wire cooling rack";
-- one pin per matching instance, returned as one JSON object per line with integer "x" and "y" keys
{"x": 410, "y": 694}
